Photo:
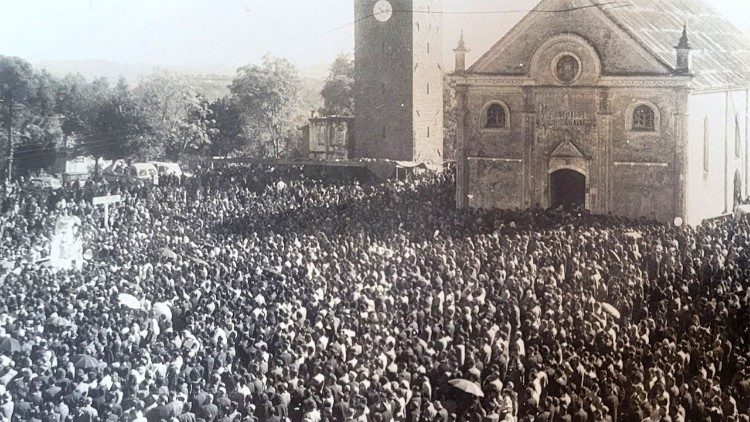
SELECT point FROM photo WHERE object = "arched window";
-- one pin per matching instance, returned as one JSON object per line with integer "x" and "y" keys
{"x": 644, "y": 119}
{"x": 737, "y": 136}
{"x": 706, "y": 158}
{"x": 496, "y": 117}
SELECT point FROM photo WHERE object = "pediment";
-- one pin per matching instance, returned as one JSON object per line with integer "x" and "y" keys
{"x": 618, "y": 51}
{"x": 568, "y": 150}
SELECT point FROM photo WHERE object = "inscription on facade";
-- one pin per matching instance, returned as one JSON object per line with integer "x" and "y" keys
{"x": 550, "y": 118}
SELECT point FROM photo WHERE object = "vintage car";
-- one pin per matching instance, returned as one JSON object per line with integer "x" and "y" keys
{"x": 121, "y": 171}
{"x": 45, "y": 182}
{"x": 167, "y": 169}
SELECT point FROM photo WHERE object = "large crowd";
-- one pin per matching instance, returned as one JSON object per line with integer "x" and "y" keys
{"x": 265, "y": 295}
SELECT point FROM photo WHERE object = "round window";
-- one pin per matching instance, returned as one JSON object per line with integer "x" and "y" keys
{"x": 567, "y": 68}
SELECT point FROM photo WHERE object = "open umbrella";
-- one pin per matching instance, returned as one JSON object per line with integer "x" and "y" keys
{"x": 161, "y": 308}
{"x": 9, "y": 345}
{"x": 59, "y": 321}
{"x": 86, "y": 362}
{"x": 467, "y": 387}
{"x": 129, "y": 301}
{"x": 610, "y": 310}
{"x": 200, "y": 262}
{"x": 634, "y": 235}
{"x": 169, "y": 254}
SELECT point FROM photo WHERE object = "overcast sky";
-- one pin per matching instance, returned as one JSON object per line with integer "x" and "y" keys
{"x": 206, "y": 34}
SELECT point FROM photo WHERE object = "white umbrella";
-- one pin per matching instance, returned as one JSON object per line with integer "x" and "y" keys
{"x": 467, "y": 387}
{"x": 634, "y": 235}
{"x": 129, "y": 301}
{"x": 169, "y": 254}
{"x": 610, "y": 310}
{"x": 162, "y": 308}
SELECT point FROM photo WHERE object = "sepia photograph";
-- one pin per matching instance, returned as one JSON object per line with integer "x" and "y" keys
{"x": 375, "y": 210}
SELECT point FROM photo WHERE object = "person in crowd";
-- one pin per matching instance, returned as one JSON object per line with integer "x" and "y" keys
{"x": 325, "y": 299}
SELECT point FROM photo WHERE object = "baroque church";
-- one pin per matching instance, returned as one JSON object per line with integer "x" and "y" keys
{"x": 638, "y": 110}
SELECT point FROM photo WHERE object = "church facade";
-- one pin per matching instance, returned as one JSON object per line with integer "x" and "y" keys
{"x": 620, "y": 110}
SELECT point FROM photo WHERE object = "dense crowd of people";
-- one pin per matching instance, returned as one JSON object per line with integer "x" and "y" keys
{"x": 264, "y": 295}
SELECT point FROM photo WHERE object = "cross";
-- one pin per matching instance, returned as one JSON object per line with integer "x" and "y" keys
{"x": 106, "y": 201}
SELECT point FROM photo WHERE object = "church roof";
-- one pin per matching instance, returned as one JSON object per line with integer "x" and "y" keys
{"x": 721, "y": 52}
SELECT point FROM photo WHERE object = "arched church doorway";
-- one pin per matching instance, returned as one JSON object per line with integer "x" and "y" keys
{"x": 567, "y": 188}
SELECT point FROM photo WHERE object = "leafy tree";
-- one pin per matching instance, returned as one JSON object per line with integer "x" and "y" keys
{"x": 16, "y": 92}
{"x": 78, "y": 103}
{"x": 28, "y": 104}
{"x": 338, "y": 91}
{"x": 178, "y": 115}
{"x": 268, "y": 97}
{"x": 120, "y": 128}
{"x": 228, "y": 134}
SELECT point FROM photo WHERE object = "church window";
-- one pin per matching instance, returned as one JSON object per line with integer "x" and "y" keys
{"x": 567, "y": 69}
{"x": 705, "y": 145}
{"x": 737, "y": 136}
{"x": 644, "y": 119}
{"x": 496, "y": 117}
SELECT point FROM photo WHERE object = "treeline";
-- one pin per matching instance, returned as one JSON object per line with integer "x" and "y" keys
{"x": 162, "y": 117}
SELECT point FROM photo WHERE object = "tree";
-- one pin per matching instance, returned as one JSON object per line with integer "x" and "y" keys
{"x": 78, "y": 103}
{"x": 16, "y": 91}
{"x": 268, "y": 97}
{"x": 338, "y": 91}
{"x": 179, "y": 116}
{"x": 228, "y": 133}
{"x": 120, "y": 128}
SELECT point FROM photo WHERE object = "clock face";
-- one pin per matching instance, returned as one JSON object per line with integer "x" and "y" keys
{"x": 382, "y": 10}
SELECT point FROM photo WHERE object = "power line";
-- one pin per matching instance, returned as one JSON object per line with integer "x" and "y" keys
{"x": 615, "y": 4}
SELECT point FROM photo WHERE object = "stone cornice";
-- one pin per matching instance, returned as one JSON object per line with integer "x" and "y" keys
{"x": 480, "y": 80}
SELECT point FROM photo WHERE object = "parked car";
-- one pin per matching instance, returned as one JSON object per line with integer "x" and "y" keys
{"x": 46, "y": 181}
{"x": 166, "y": 168}
{"x": 121, "y": 171}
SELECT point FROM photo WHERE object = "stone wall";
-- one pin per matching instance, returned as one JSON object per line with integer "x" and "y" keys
{"x": 496, "y": 183}
{"x": 428, "y": 82}
{"x": 383, "y": 82}
{"x": 399, "y": 82}
{"x": 643, "y": 191}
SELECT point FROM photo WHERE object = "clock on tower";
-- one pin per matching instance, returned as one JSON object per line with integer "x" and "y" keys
{"x": 383, "y": 10}
{"x": 398, "y": 80}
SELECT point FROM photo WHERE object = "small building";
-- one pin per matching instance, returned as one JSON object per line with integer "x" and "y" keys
{"x": 330, "y": 138}
{"x": 621, "y": 110}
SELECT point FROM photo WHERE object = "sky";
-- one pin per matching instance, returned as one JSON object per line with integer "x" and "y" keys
{"x": 224, "y": 34}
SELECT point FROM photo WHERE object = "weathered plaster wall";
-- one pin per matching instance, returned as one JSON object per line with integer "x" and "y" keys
{"x": 397, "y": 116}
{"x": 428, "y": 83}
{"x": 383, "y": 82}
{"x": 496, "y": 183}
{"x": 644, "y": 191}
{"x": 717, "y": 127}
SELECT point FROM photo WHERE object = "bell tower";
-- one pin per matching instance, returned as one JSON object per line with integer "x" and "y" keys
{"x": 683, "y": 54}
{"x": 398, "y": 80}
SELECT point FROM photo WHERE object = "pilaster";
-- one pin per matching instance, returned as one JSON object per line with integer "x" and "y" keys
{"x": 462, "y": 164}
{"x": 601, "y": 191}
{"x": 682, "y": 148}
